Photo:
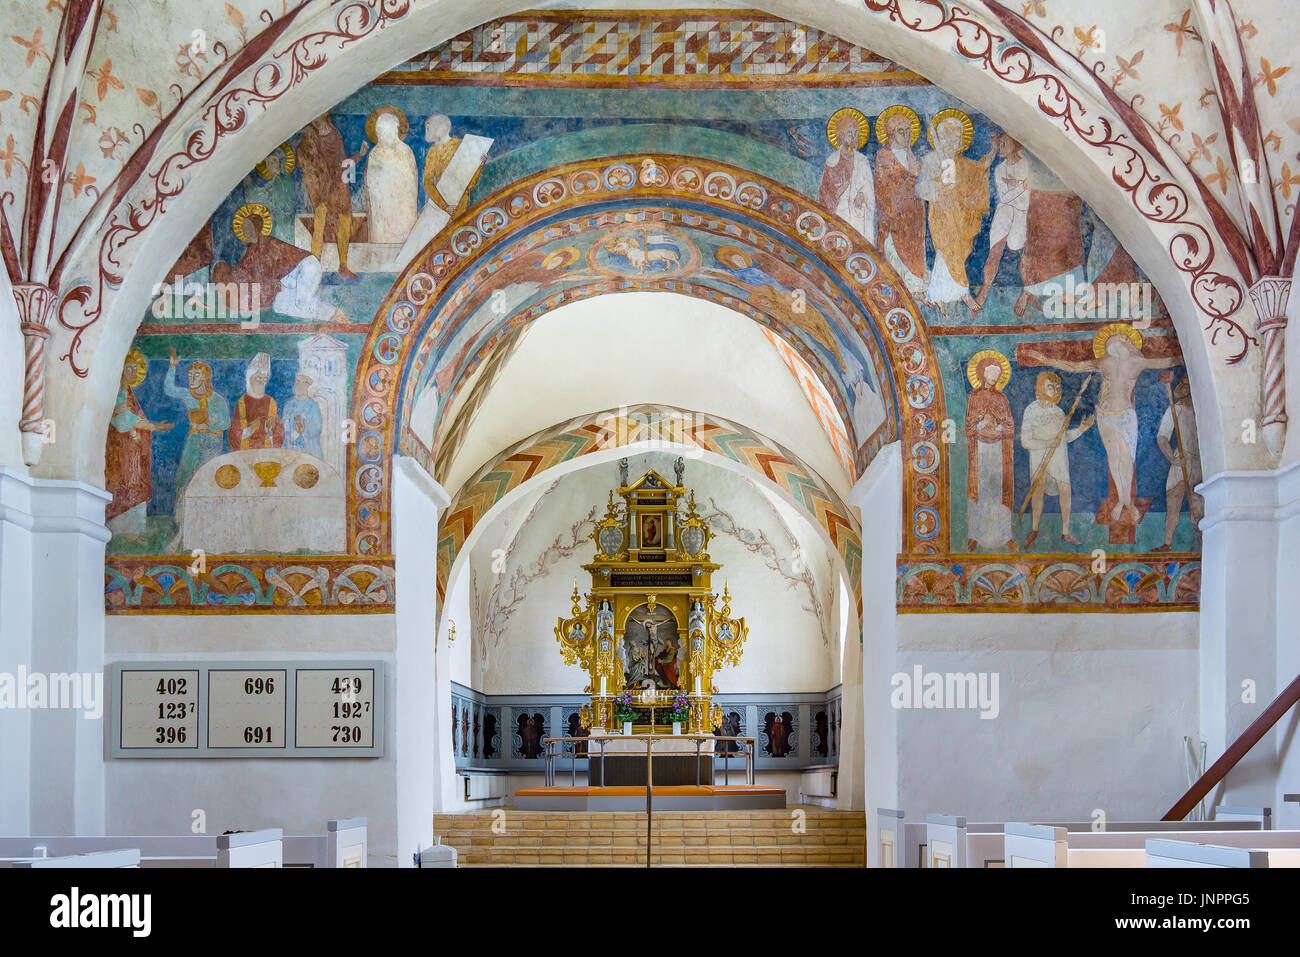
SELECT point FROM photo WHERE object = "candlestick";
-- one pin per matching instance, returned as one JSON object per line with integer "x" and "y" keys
{"x": 602, "y": 686}
{"x": 697, "y": 684}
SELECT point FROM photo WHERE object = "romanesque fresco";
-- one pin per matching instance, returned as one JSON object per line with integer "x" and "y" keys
{"x": 990, "y": 320}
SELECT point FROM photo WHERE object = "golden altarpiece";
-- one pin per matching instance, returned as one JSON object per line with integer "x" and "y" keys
{"x": 651, "y": 624}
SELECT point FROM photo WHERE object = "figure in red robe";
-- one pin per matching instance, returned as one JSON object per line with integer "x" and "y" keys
{"x": 990, "y": 436}
{"x": 255, "y": 420}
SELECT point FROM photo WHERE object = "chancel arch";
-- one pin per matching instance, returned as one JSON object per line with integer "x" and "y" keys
{"x": 765, "y": 241}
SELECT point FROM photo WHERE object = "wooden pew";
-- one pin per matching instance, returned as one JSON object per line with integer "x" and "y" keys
{"x": 122, "y": 857}
{"x": 1128, "y": 848}
{"x": 945, "y": 839}
{"x": 262, "y": 848}
{"x": 344, "y": 844}
{"x": 1033, "y": 845}
{"x": 889, "y": 849}
{"x": 1166, "y": 853}
{"x": 1263, "y": 815}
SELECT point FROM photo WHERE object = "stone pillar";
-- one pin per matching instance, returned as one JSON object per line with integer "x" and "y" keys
{"x": 1249, "y": 609}
{"x": 422, "y": 755}
{"x": 52, "y": 537}
{"x": 1270, "y": 295}
{"x": 878, "y": 495}
{"x": 35, "y": 306}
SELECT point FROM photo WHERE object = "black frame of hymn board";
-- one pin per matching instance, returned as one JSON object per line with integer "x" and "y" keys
{"x": 316, "y": 739}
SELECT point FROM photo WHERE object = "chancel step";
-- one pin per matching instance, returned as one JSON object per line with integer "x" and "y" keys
{"x": 798, "y": 836}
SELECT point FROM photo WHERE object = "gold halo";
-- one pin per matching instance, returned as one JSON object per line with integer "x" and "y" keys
{"x": 1104, "y": 334}
{"x": 882, "y": 122}
{"x": 251, "y": 209}
{"x": 561, "y": 258}
{"x": 141, "y": 365}
{"x": 723, "y": 251}
{"x": 402, "y": 124}
{"x": 979, "y": 359}
{"x": 290, "y": 161}
{"x": 967, "y": 127}
{"x": 864, "y": 126}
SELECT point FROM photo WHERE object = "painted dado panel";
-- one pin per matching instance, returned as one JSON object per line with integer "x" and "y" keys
{"x": 939, "y": 282}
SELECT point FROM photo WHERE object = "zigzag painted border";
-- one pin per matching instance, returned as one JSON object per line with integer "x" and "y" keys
{"x": 625, "y": 426}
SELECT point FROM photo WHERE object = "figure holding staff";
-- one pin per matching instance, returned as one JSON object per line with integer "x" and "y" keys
{"x": 1179, "y": 424}
{"x": 1045, "y": 434}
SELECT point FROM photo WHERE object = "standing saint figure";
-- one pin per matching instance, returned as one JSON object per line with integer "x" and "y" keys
{"x": 302, "y": 418}
{"x": 1010, "y": 226}
{"x": 900, "y": 222}
{"x": 442, "y": 147}
{"x": 1119, "y": 359}
{"x": 209, "y": 416}
{"x": 326, "y": 172}
{"x": 990, "y": 435}
{"x": 128, "y": 455}
{"x": 1187, "y": 455}
{"x": 1041, "y": 435}
{"x": 392, "y": 181}
{"x": 957, "y": 191}
{"x": 256, "y": 422}
{"x": 847, "y": 189}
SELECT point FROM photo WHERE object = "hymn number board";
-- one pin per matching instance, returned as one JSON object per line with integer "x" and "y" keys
{"x": 216, "y": 709}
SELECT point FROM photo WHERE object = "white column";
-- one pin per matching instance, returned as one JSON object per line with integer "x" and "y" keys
{"x": 52, "y": 537}
{"x": 878, "y": 495}
{"x": 851, "y": 783}
{"x": 417, "y": 500}
{"x": 1250, "y": 627}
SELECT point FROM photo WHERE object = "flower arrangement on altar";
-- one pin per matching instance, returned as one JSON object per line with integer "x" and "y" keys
{"x": 680, "y": 707}
{"x": 623, "y": 707}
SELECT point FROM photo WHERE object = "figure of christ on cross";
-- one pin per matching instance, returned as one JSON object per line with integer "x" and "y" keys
{"x": 1117, "y": 357}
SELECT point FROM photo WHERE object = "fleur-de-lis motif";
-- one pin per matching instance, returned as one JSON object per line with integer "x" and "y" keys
{"x": 1269, "y": 76}
{"x": 104, "y": 80}
{"x": 1127, "y": 69}
{"x": 1169, "y": 116}
{"x": 1220, "y": 176}
{"x": 1201, "y": 147}
{"x": 1183, "y": 30}
{"x": 1087, "y": 39}
{"x": 9, "y": 156}
{"x": 79, "y": 180}
{"x": 33, "y": 46}
{"x": 1288, "y": 180}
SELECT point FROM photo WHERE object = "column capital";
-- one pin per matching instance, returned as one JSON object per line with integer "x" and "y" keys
{"x": 425, "y": 482}
{"x": 1256, "y": 496}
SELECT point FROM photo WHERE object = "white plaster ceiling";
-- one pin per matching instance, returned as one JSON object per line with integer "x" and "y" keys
{"x": 627, "y": 348}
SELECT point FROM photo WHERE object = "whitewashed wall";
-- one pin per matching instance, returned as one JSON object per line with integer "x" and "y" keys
{"x": 160, "y": 796}
{"x": 1092, "y": 711}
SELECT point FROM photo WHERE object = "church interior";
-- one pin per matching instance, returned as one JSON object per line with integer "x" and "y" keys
{"x": 836, "y": 434}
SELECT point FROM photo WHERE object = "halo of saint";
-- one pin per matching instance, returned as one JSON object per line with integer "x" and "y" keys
{"x": 976, "y": 365}
{"x": 882, "y": 122}
{"x": 967, "y": 126}
{"x": 241, "y": 215}
{"x": 286, "y": 166}
{"x": 864, "y": 126}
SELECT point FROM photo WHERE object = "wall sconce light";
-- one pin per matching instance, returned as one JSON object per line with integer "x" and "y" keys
{"x": 451, "y": 632}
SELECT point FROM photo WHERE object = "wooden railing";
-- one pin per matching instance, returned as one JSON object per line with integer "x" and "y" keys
{"x": 1236, "y": 751}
